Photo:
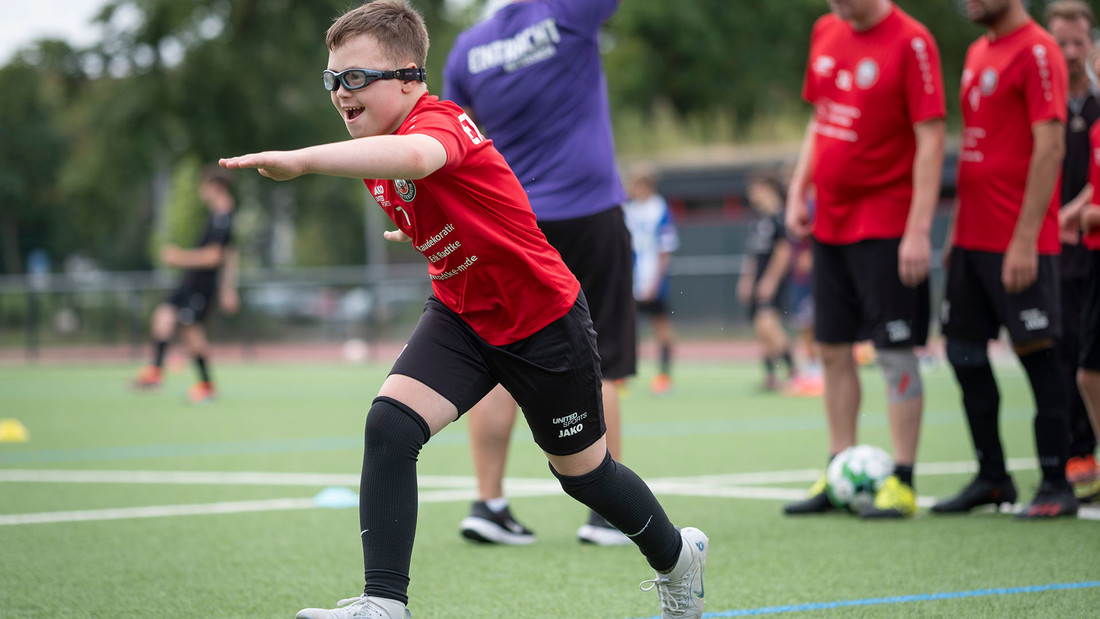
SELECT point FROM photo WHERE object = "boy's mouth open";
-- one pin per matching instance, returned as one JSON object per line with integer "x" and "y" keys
{"x": 352, "y": 113}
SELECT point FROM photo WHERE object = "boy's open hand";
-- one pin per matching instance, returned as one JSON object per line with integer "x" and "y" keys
{"x": 275, "y": 164}
{"x": 396, "y": 236}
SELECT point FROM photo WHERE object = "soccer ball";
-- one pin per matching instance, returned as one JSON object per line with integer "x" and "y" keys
{"x": 856, "y": 474}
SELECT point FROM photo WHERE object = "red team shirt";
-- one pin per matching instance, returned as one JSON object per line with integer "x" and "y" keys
{"x": 1092, "y": 239}
{"x": 868, "y": 89}
{"x": 1008, "y": 85}
{"x": 487, "y": 258}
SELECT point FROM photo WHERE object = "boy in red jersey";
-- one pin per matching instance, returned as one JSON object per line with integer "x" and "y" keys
{"x": 873, "y": 153}
{"x": 1088, "y": 366}
{"x": 504, "y": 309}
{"x": 1003, "y": 249}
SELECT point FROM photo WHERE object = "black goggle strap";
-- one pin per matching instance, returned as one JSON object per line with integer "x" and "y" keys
{"x": 417, "y": 74}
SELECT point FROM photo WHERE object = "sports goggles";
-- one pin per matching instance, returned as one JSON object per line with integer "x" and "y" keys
{"x": 354, "y": 79}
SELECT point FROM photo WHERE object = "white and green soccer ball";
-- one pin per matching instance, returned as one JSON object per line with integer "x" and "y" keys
{"x": 856, "y": 474}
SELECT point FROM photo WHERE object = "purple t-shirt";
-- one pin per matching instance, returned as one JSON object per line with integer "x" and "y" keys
{"x": 532, "y": 76}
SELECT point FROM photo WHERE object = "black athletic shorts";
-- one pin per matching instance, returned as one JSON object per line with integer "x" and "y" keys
{"x": 553, "y": 374}
{"x": 191, "y": 300}
{"x": 976, "y": 305}
{"x": 1090, "y": 317}
{"x": 755, "y": 305}
{"x": 858, "y": 296}
{"x": 597, "y": 249}
{"x": 653, "y": 307}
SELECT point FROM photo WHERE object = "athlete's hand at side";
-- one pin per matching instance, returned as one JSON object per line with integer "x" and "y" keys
{"x": 275, "y": 164}
{"x": 914, "y": 259}
{"x": 1021, "y": 266}
{"x": 396, "y": 236}
{"x": 798, "y": 217}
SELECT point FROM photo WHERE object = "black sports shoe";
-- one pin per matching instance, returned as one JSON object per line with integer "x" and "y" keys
{"x": 981, "y": 491}
{"x": 600, "y": 532}
{"x": 817, "y": 503}
{"x": 1052, "y": 500}
{"x": 485, "y": 526}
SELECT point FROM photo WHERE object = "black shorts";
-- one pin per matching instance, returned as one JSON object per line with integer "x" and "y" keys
{"x": 554, "y": 374}
{"x": 755, "y": 305}
{"x": 858, "y": 296}
{"x": 976, "y": 305}
{"x": 1090, "y": 317}
{"x": 191, "y": 301}
{"x": 653, "y": 307}
{"x": 597, "y": 250}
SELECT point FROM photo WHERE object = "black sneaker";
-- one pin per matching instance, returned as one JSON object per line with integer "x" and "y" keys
{"x": 981, "y": 491}
{"x": 601, "y": 532}
{"x": 817, "y": 503}
{"x": 1052, "y": 500}
{"x": 485, "y": 526}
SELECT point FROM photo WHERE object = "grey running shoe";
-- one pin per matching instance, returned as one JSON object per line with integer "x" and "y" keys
{"x": 485, "y": 526}
{"x": 361, "y": 607}
{"x": 681, "y": 590}
{"x": 600, "y": 532}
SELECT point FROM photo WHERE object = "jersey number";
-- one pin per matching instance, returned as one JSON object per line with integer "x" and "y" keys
{"x": 402, "y": 211}
{"x": 470, "y": 128}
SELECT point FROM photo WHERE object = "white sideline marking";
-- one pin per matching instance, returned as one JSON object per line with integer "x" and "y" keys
{"x": 446, "y": 488}
{"x": 515, "y": 484}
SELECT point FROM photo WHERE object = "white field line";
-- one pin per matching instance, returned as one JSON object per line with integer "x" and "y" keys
{"x": 515, "y": 484}
{"x": 739, "y": 485}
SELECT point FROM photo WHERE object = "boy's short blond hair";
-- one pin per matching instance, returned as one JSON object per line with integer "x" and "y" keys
{"x": 397, "y": 27}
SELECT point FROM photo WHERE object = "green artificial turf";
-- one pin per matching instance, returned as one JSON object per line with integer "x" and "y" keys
{"x": 309, "y": 419}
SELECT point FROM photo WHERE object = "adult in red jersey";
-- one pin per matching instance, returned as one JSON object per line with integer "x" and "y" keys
{"x": 504, "y": 309}
{"x": 873, "y": 155}
{"x": 1070, "y": 22}
{"x": 1088, "y": 365}
{"x": 1002, "y": 265}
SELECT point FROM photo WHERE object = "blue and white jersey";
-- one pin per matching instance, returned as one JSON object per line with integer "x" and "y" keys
{"x": 652, "y": 233}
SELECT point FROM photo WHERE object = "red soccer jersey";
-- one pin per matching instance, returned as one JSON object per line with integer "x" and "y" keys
{"x": 868, "y": 89}
{"x": 1008, "y": 85}
{"x": 487, "y": 258}
{"x": 1092, "y": 239}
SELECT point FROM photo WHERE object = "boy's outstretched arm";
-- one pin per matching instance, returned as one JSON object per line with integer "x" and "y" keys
{"x": 407, "y": 157}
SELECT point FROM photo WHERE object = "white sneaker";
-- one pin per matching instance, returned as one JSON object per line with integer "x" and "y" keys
{"x": 361, "y": 607}
{"x": 681, "y": 590}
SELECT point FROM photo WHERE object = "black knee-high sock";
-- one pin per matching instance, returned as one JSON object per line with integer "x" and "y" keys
{"x": 159, "y": 348}
{"x": 387, "y": 496}
{"x": 789, "y": 362}
{"x": 769, "y": 365}
{"x": 1052, "y": 414}
{"x": 615, "y": 492}
{"x": 982, "y": 401}
{"x": 666, "y": 359}
{"x": 204, "y": 373}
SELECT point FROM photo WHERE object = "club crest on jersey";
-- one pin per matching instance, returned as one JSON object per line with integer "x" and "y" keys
{"x": 988, "y": 81}
{"x": 824, "y": 65}
{"x": 866, "y": 73}
{"x": 405, "y": 189}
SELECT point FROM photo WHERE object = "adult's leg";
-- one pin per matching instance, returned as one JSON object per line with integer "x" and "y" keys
{"x": 1088, "y": 382}
{"x": 842, "y": 394}
{"x": 490, "y": 425}
{"x": 904, "y": 401}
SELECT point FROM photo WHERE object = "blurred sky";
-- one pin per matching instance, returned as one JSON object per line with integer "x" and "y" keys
{"x": 23, "y": 21}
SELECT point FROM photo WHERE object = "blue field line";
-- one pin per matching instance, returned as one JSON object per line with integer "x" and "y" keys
{"x": 295, "y": 445}
{"x": 899, "y": 599}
